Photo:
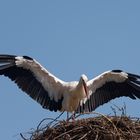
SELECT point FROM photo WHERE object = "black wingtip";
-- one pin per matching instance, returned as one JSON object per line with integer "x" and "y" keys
{"x": 7, "y": 58}
{"x": 130, "y": 75}
{"x": 6, "y": 61}
{"x": 134, "y": 81}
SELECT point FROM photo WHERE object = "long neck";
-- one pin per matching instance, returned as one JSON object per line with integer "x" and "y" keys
{"x": 80, "y": 90}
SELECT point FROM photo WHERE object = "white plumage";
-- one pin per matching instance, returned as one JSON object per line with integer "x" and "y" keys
{"x": 55, "y": 94}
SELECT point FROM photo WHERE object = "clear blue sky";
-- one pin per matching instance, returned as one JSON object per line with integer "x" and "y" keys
{"x": 69, "y": 38}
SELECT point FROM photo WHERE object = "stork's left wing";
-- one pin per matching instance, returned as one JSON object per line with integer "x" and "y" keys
{"x": 35, "y": 80}
{"x": 108, "y": 86}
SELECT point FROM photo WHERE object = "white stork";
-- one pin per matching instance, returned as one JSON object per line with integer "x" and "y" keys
{"x": 55, "y": 94}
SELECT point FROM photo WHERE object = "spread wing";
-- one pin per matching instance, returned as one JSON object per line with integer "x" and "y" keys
{"x": 108, "y": 86}
{"x": 34, "y": 79}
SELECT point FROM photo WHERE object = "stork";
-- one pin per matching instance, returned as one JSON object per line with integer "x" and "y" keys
{"x": 76, "y": 96}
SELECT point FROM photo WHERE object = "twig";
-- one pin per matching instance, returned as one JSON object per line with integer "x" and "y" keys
{"x": 83, "y": 136}
{"x": 67, "y": 132}
{"x": 23, "y": 136}
{"x": 50, "y": 123}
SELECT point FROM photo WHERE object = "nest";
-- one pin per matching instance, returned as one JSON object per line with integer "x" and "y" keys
{"x": 97, "y": 128}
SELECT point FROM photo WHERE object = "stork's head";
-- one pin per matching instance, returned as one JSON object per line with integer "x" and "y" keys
{"x": 83, "y": 81}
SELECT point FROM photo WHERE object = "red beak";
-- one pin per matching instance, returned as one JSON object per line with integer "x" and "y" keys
{"x": 85, "y": 88}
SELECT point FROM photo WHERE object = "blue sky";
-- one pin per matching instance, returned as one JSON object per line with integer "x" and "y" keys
{"x": 69, "y": 38}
